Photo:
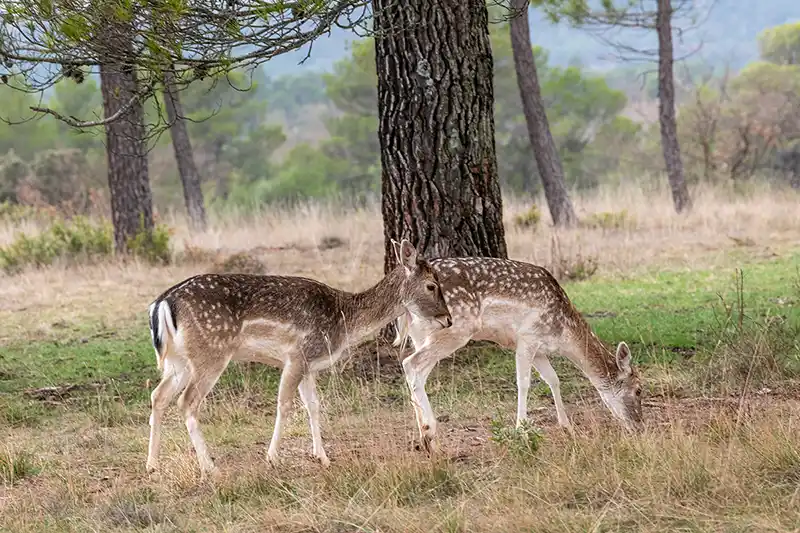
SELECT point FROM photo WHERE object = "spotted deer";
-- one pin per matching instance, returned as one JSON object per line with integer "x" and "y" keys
{"x": 522, "y": 306}
{"x": 300, "y": 325}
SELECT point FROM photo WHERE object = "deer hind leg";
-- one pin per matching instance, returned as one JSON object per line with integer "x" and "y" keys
{"x": 174, "y": 380}
{"x": 291, "y": 378}
{"x": 418, "y": 366}
{"x": 308, "y": 395}
{"x": 542, "y": 365}
{"x": 201, "y": 382}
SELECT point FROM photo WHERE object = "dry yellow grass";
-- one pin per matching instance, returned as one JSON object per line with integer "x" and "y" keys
{"x": 696, "y": 469}
{"x": 702, "y": 465}
{"x": 760, "y": 223}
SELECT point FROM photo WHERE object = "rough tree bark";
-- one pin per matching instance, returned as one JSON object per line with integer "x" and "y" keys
{"x": 666, "y": 109}
{"x": 544, "y": 148}
{"x": 126, "y": 151}
{"x": 435, "y": 103}
{"x": 184, "y": 156}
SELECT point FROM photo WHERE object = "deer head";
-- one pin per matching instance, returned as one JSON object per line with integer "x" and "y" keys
{"x": 420, "y": 293}
{"x": 623, "y": 393}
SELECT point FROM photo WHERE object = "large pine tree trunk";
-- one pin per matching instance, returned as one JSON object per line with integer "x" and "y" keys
{"x": 184, "y": 156}
{"x": 436, "y": 130}
{"x": 666, "y": 109}
{"x": 544, "y": 148}
{"x": 128, "y": 178}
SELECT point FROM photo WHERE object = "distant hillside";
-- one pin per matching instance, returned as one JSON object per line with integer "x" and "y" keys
{"x": 726, "y": 35}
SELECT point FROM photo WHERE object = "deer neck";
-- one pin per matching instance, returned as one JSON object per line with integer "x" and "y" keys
{"x": 368, "y": 311}
{"x": 594, "y": 360}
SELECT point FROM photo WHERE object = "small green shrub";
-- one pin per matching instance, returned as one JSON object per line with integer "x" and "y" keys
{"x": 578, "y": 268}
{"x": 609, "y": 220}
{"x": 152, "y": 246}
{"x": 15, "y": 214}
{"x": 575, "y": 268}
{"x": 581, "y": 269}
{"x": 522, "y": 441}
{"x": 78, "y": 239}
{"x": 529, "y": 219}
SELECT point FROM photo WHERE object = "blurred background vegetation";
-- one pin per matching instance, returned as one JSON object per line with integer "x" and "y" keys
{"x": 289, "y": 131}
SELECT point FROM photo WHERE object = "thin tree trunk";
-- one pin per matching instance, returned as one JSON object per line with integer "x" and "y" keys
{"x": 666, "y": 109}
{"x": 435, "y": 102}
{"x": 126, "y": 151}
{"x": 221, "y": 189}
{"x": 544, "y": 148}
{"x": 184, "y": 156}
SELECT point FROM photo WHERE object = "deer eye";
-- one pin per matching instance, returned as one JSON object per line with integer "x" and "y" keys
{"x": 639, "y": 391}
{"x": 431, "y": 287}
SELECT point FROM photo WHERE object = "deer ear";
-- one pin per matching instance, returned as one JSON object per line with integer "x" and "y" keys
{"x": 396, "y": 250}
{"x": 408, "y": 255}
{"x": 624, "y": 358}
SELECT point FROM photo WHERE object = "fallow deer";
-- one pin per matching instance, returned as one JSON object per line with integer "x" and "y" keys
{"x": 522, "y": 306}
{"x": 300, "y": 325}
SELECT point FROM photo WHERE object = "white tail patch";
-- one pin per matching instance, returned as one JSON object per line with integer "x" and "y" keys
{"x": 166, "y": 333}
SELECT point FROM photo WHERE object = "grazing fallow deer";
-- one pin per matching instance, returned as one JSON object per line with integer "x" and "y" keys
{"x": 516, "y": 305}
{"x": 199, "y": 325}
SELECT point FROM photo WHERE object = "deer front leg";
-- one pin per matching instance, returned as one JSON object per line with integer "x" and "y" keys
{"x": 426, "y": 419}
{"x": 418, "y": 366}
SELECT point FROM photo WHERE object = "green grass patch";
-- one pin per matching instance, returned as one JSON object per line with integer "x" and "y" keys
{"x": 686, "y": 309}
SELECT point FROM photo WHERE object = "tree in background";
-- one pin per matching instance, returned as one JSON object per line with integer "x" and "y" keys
{"x": 128, "y": 177}
{"x": 347, "y": 162}
{"x": 666, "y": 109}
{"x": 749, "y": 123}
{"x": 232, "y": 140}
{"x": 544, "y": 148}
{"x": 352, "y": 89}
{"x": 781, "y": 44}
{"x": 584, "y": 115}
{"x": 294, "y": 92}
{"x": 642, "y": 15}
{"x": 73, "y": 99}
{"x": 23, "y": 134}
{"x": 133, "y": 44}
{"x": 440, "y": 187}
{"x": 184, "y": 156}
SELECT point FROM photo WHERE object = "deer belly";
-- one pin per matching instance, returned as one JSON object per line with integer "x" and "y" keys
{"x": 263, "y": 341}
{"x": 500, "y": 322}
{"x": 501, "y": 334}
{"x": 259, "y": 350}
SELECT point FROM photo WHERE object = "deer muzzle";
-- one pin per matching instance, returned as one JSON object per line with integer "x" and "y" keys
{"x": 445, "y": 320}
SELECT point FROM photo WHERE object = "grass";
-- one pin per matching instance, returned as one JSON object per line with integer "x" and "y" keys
{"x": 686, "y": 309}
{"x": 719, "y": 353}
{"x": 15, "y": 466}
